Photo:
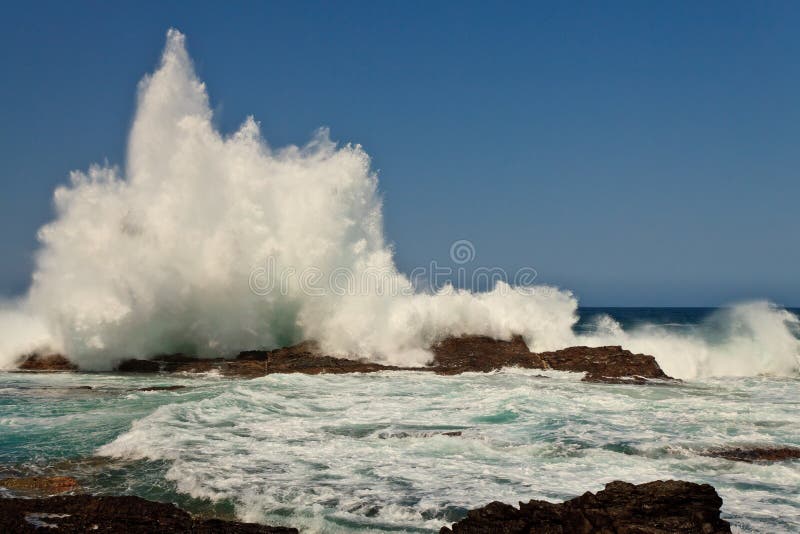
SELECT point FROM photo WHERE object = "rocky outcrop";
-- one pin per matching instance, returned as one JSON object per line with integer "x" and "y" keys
{"x": 660, "y": 507}
{"x": 610, "y": 364}
{"x": 482, "y": 354}
{"x": 40, "y": 486}
{"x": 303, "y": 358}
{"x": 451, "y": 356}
{"x": 755, "y": 454}
{"x": 139, "y": 366}
{"x": 605, "y": 364}
{"x": 87, "y": 513}
{"x": 46, "y": 362}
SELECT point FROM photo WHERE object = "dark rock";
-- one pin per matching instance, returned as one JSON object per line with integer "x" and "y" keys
{"x": 87, "y": 513}
{"x": 660, "y": 507}
{"x": 46, "y": 362}
{"x": 610, "y": 364}
{"x": 178, "y": 357}
{"x": 161, "y": 388}
{"x": 138, "y": 366}
{"x": 452, "y": 355}
{"x": 605, "y": 364}
{"x": 40, "y": 485}
{"x": 755, "y": 454}
{"x": 403, "y": 435}
{"x": 482, "y": 354}
{"x": 196, "y": 365}
{"x": 301, "y": 358}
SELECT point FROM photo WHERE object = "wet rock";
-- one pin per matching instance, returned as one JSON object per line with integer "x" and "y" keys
{"x": 611, "y": 364}
{"x": 196, "y": 365}
{"x": 161, "y": 388}
{"x": 660, "y": 507}
{"x": 46, "y": 362}
{"x": 40, "y": 485}
{"x": 138, "y": 366}
{"x": 87, "y": 513}
{"x": 755, "y": 454}
{"x": 482, "y": 354}
{"x": 605, "y": 364}
{"x": 301, "y": 358}
{"x": 453, "y": 355}
{"x": 403, "y": 435}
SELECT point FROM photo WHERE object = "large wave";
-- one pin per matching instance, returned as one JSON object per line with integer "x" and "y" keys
{"x": 160, "y": 258}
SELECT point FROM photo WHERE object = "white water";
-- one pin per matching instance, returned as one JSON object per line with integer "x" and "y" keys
{"x": 160, "y": 258}
{"x": 341, "y": 453}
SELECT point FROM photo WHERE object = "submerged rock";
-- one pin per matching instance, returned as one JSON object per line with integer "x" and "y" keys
{"x": 403, "y": 435}
{"x": 40, "y": 485}
{"x": 46, "y": 362}
{"x": 755, "y": 454}
{"x": 87, "y": 513}
{"x": 660, "y": 507}
{"x": 161, "y": 388}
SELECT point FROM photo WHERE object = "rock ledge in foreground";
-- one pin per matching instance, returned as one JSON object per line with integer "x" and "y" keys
{"x": 87, "y": 513}
{"x": 660, "y": 507}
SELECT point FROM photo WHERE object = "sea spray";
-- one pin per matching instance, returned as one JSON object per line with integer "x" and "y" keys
{"x": 160, "y": 258}
{"x": 742, "y": 340}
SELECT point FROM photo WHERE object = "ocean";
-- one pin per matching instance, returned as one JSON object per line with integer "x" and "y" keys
{"x": 342, "y": 453}
{"x": 211, "y": 242}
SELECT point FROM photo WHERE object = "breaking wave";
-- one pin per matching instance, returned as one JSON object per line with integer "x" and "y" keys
{"x": 158, "y": 258}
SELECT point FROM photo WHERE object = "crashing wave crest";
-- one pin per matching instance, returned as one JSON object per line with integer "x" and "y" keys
{"x": 158, "y": 259}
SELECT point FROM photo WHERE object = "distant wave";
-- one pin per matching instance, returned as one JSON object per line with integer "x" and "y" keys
{"x": 742, "y": 340}
{"x": 157, "y": 259}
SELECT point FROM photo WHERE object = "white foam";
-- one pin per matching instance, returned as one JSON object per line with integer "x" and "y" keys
{"x": 159, "y": 257}
{"x": 313, "y": 451}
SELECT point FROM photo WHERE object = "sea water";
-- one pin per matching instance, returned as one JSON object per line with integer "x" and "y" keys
{"x": 369, "y": 452}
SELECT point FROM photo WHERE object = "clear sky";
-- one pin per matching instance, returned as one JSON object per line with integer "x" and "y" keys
{"x": 639, "y": 153}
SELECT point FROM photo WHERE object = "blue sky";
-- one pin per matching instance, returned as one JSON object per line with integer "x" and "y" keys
{"x": 639, "y": 153}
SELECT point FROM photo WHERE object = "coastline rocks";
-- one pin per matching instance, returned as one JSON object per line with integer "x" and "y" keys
{"x": 610, "y": 364}
{"x": 40, "y": 485}
{"x": 304, "y": 358}
{"x": 86, "y": 513}
{"x": 605, "y": 364}
{"x": 755, "y": 454}
{"x": 46, "y": 362}
{"x": 138, "y": 366}
{"x": 660, "y": 507}
{"x": 454, "y": 355}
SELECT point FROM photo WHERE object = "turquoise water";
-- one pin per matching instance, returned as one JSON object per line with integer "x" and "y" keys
{"x": 366, "y": 452}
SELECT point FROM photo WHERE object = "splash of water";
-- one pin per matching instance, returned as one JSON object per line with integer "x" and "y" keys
{"x": 158, "y": 258}
{"x": 742, "y": 340}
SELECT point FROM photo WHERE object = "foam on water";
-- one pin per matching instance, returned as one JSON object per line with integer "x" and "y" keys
{"x": 335, "y": 453}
